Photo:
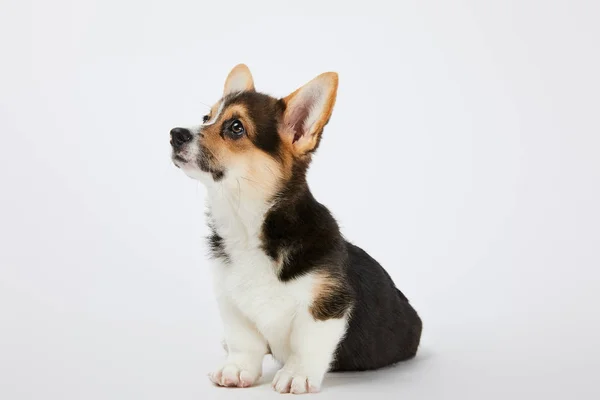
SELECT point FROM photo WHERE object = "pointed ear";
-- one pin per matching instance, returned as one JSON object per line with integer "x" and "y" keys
{"x": 307, "y": 111}
{"x": 238, "y": 80}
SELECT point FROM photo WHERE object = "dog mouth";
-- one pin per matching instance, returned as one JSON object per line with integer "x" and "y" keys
{"x": 178, "y": 160}
{"x": 201, "y": 163}
{"x": 184, "y": 158}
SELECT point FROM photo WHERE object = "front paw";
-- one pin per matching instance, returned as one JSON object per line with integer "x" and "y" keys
{"x": 288, "y": 381}
{"x": 231, "y": 375}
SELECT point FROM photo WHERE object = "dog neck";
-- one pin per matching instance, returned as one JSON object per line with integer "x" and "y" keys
{"x": 237, "y": 209}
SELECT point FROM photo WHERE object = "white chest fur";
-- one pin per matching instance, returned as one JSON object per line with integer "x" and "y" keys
{"x": 249, "y": 280}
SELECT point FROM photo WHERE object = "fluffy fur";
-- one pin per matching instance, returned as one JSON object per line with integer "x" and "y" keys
{"x": 286, "y": 281}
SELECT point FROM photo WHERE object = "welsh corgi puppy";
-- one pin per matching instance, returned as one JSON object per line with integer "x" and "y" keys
{"x": 286, "y": 281}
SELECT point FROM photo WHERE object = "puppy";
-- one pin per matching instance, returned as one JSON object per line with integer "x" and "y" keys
{"x": 286, "y": 280}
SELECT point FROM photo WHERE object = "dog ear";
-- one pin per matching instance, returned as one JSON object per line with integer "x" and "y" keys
{"x": 307, "y": 111}
{"x": 238, "y": 80}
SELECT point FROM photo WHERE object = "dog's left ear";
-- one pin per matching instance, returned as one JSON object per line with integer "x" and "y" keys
{"x": 307, "y": 111}
{"x": 238, "y": 80}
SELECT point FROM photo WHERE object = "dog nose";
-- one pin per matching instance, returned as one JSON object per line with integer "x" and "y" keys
{"x": 180, "y": 136}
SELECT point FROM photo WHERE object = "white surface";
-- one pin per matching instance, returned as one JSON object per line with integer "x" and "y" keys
{"x": 462, "y": 154}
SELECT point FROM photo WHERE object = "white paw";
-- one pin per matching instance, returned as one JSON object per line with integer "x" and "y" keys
{"x": 290, "y": 382}
{"x": 231, "y": 375}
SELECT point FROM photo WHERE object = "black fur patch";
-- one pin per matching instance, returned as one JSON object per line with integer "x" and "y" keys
{"x": 216, "y": 245}
{"x": 384, "y": 328}
{"x": 217, "y": 175}
{"x": 301, "y": 228}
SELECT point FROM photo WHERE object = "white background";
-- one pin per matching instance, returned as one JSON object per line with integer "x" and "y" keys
{"x": 463, "y": 154}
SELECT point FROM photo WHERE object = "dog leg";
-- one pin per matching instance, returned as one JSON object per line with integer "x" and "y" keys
{"x": 313, "y": 344}
{"x": 245, "y": 346}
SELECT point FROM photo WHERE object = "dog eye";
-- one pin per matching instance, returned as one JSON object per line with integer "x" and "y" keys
{"x": 237, "y": 128}
{"x": 205, "y": 119}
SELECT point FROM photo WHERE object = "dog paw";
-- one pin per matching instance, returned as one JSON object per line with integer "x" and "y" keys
{"x": 231, "y": 375}
{"x": 290, "y": 382}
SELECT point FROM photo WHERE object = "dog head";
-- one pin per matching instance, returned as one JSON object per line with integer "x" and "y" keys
{"x": 254, "y": 138}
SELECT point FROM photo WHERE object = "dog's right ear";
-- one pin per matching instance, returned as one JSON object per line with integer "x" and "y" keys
{"x": 238, "y": 80}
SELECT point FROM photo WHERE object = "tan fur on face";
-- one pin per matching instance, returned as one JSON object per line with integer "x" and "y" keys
{"x": 241, "y": 156}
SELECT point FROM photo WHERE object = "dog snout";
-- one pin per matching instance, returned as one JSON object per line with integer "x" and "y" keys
{"x": 179, "y": 137}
